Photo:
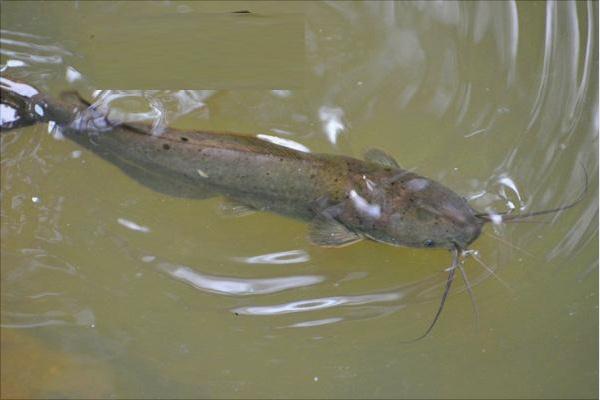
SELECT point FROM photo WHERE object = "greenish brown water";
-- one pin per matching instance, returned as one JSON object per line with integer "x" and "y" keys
{"x": 111, "y": 290}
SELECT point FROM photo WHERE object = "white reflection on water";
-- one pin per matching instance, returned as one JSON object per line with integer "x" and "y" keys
{"x": 332, "y": 122}
{"x": 55, "y": 131}
{"x": 237, "y": 286}
{"x": 19, "y": 88}
{"x": 282, "y": 257}
{"x": 506, "y": 181}
{"x": 292, "y": 144}
{"x": 281, "y": 93}
{"x": 8, "y": 114}
{"x": 72, "y": 75}
{"x": 30, "y": 45}
{"x": 501, "y": 20}
{"x": 133, "y": 226}
{"x": 12, "y": 64}
{"x": 22, "y": 320}
{"x": 317, "y": 322}
{"x": 318, "y": 304}
{"x": 31, "y": 58}
{"x": 38, "y": 324}
{"x": 160, "y": 107}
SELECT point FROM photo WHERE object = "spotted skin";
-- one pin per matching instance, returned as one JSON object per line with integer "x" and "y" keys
{"x": 371, "y": 199}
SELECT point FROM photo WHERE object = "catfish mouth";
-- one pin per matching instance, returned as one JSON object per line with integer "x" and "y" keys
{"x": 473, "y": 231}
{"x": 463, "y": 235}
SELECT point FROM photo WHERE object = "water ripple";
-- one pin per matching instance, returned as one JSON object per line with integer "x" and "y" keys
{"x": 237, "y": 286}
{"x": 282, "y": 257}
{"x": 318, "y": 304}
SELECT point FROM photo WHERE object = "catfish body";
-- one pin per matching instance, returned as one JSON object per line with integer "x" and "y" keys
{"x": 345, "y": 199}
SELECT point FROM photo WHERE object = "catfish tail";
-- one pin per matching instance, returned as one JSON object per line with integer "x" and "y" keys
{"x": 17, "y": 105}
{"x": 23, "y": 105}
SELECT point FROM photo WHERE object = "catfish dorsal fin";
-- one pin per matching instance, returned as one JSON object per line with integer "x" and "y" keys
{"x": 380, "y": 157}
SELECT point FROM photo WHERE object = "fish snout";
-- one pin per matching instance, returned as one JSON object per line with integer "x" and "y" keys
{"x": 469, "y": 232}
{"x": 467, "y": 226}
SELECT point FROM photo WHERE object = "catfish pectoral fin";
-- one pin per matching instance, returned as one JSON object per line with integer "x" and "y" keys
{"x": 380, "y": 157}
{"x": 327, "y": 232}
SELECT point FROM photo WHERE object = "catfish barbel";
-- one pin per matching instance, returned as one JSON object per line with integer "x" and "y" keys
{"x": 344, "y": 199}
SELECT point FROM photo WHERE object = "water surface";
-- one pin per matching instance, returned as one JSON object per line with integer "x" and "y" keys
{"x": 112, "y": 290}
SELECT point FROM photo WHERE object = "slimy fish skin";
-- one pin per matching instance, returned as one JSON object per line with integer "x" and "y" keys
{"x": 343, "y": 199}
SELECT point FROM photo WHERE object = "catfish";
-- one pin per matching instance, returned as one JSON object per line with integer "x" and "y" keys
{"x": 343, "y": 199}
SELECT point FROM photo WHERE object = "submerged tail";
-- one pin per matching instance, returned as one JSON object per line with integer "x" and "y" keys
{"x": 23, "y": 105}
{"x": 17, "y": 105}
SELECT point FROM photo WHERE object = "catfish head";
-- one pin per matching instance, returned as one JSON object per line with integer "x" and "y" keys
{"x": 406, "y": 209}
{"x": 387, "y": 204}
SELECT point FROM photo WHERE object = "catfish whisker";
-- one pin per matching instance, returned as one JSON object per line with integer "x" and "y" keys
{"x": 506, "y": 242}
{"x": 504, "y": 217}
{"x": 452, "y": 271}
{"x": 491, "y": 272}
{"x": 522, "y": 221}
{"x": 470, "y": 292}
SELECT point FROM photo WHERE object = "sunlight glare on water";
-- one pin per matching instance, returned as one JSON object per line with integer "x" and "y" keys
{"x": 109, "y": 289}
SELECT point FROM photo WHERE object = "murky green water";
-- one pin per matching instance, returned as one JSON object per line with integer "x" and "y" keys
{"x": 111, "y": 290}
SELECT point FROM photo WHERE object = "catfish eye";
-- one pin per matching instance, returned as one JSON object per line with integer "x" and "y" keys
{"x": 428, "y": 243}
